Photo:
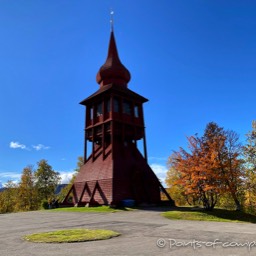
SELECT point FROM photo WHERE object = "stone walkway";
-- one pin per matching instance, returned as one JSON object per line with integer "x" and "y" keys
{"x": 141, "y": 231}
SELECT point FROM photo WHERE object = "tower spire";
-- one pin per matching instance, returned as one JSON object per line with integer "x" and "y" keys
{"x": 113, "y": 71}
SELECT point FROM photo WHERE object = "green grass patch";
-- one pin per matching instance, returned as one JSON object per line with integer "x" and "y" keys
{"x": 220, "y": 215}
{"x": 90, "y": 209}
{"x": 71, "y": 236}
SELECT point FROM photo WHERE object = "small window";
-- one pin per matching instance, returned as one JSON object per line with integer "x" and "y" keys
{"x": 116, "y": 105}
{"x": 136, "y": 111}
{"x": 127, "y": 108}
{"x": 91, "y": 113}
{"x": 99, "y": 109}
{"x": 107, "y": 106}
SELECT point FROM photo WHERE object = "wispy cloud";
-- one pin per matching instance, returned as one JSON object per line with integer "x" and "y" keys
{"x": 7, "y": 175}
{"x": 40, "y": 147}
{"x": 16, "y": 144}
{"x": 155, "y": 158}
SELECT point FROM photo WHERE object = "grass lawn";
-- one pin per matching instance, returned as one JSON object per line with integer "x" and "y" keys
{"x": 220, "y": 215}
{"x": 71, "y": 236}
{"x": 90, "y": 209}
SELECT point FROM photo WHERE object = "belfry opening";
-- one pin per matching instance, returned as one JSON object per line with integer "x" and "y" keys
{"x": 115, "y": 170}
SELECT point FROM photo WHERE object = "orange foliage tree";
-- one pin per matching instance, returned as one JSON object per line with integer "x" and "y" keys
{"x": 211, "y": 166}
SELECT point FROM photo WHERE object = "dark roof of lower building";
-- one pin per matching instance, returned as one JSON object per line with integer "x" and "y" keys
{"x": 59, "y": 188}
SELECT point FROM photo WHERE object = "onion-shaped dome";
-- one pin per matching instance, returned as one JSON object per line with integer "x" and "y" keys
{"x": 113, "y": 71}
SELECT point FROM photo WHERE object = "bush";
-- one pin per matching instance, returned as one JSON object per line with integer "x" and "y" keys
{"x": 45, "y": 204}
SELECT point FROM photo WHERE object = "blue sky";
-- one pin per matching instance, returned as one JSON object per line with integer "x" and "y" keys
{"x": 195, "y": 61}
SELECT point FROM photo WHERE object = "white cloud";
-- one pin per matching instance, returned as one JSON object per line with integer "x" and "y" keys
{"x": 16, "y": 144}
{"x": 66, "y": 177}
{"x": 160, "y": 171}
{"x": 40, "y": 147}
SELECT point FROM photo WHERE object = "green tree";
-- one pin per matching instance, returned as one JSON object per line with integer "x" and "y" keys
{"x": 249, "y": 149}
{"x": 27, "y": 192}
{"x": 79, "y": 164}
{"x": 64, "y": 191}
{"x": 46, "y": 180}
{"x": 249, "y": 152}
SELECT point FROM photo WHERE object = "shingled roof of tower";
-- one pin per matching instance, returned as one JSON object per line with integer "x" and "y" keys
{"x": 113, "y": 88}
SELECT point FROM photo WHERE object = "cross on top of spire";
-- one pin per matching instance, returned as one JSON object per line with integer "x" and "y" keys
{"x": 111, "y": 20}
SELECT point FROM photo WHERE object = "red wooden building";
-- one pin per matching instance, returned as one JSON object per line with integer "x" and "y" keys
{"x": 116, "y": 170}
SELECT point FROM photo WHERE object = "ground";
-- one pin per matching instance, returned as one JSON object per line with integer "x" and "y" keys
{"x": 141, "y": 231}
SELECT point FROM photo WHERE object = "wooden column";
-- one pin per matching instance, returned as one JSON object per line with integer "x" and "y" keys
{"x": 85, "y": 146}
{"x": 145, "y": 147}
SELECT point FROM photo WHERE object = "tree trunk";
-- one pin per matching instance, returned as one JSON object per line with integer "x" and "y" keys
{"x": 238, "y": 205}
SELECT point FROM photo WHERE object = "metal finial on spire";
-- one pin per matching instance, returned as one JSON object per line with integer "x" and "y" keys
{"x": 111, "y": 19}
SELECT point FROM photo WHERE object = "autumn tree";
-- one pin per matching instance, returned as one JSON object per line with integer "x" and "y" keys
{"x": 194, "y": 173}
{"x": 232, "y": 168}
{"x": 211, "y": 167}
{"x": 225, "y": 157}
{"x": 27, "y": 192}
{"x": 46, "y": 180}
{"x": 176, "y": 190}
{"x": 8, "y": 198}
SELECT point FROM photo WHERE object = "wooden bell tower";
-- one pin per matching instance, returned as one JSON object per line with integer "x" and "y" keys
{"x": 115, "y": 170}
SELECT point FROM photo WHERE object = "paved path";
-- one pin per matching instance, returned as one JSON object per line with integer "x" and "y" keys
{"x": 140, "y": 229}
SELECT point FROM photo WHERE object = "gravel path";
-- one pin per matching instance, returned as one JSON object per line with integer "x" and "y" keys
{"x": 141, "y": 231}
